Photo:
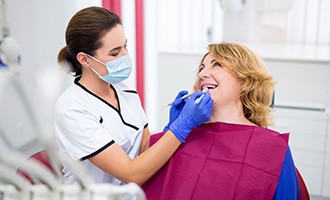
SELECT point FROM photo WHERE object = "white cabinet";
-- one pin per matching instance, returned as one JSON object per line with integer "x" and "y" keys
{"x": 302, "y": 107}
{"x": 301, "y": 84}
{"x": 307, "y": 142}
{"x": 326, "y": 182}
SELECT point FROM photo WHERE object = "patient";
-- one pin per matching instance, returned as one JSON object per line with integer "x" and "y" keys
{"x": 234, "y": 155}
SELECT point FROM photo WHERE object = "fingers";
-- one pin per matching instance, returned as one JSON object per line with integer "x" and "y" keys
{"x": 207, "y": 100}
{"x": 204, "y": 103}
{"x": 195, "y": 96}
{"x": 201, "y": 99}
{"x": 181, "y": 94}
{"x": 207, "y": 104}
{"x": 178, "y": 99}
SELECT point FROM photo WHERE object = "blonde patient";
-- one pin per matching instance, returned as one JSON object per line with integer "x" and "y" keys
{"x": 233, "y": 155}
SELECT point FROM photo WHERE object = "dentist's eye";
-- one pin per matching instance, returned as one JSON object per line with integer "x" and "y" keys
{"x": 114, "y": 54}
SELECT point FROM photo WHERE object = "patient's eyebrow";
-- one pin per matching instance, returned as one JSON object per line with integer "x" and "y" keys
{"x": 213, "y": 61}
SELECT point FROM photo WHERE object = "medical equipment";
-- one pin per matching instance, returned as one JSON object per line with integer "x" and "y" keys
{"x": 8, "y": 176}
{"x": 14, "y": 154}
{"x": 205, "y": 89}
{"x": 26, "y": 191}
{"x": 10, "y": 52}
{"x": 232, "y": 5}
{"x": 40, "y": 173}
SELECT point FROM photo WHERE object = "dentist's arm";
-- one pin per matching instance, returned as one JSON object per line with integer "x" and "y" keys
{"x": 145, "y": 140}
{"x": 118, "y": 164}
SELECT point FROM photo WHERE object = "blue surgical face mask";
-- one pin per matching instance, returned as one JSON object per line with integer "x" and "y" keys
{"x": 118, "y": 69}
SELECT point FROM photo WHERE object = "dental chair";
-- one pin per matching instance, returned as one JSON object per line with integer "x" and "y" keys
{"x": 303, "y": 191}
{"x": 40, "y": 157}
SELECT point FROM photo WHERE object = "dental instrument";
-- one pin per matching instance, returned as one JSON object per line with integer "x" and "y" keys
{"x": 205, "y": 89}
{"x": 183, "y": 97}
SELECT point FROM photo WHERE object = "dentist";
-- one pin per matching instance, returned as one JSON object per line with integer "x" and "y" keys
{"x": 99, "y": 119}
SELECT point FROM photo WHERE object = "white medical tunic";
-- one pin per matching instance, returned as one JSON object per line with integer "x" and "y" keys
{"x": 86, "y": 124}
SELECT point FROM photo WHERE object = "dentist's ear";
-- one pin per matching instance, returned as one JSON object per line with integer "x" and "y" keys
{"x": 82, "y": 59}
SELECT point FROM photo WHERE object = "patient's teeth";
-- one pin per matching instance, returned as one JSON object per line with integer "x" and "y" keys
{"x": 205, "y": 89}
{"x": 209, "y": 86}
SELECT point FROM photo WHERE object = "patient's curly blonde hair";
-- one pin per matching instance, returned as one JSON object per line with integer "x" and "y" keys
{"x": 257, "y": 84}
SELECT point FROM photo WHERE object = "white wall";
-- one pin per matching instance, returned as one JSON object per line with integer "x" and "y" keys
{"x": 151, "y": 61}
{"x": 128, "y": 20}
{"x": 39, "y": 28}
{"x": 281, "y": 21}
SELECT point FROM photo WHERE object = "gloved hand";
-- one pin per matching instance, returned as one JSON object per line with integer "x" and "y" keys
{"x": 192, "y": 115}
{"x": 176, "y": 108}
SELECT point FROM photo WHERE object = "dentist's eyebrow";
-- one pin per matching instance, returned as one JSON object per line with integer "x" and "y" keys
{"x": 118, "y": 48}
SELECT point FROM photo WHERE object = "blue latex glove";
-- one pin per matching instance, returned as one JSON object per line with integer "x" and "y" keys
{"x": 176, "y": 108}
{"x": 192, "y": 115}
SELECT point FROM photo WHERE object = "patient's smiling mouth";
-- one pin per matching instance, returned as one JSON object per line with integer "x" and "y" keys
{"x": 209, "y": 86}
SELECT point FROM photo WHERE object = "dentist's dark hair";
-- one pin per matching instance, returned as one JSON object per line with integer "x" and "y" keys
{"x": 84, "y": 33}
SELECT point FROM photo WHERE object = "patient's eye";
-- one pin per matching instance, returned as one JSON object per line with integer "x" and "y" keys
{"x": 216, "y": 65}
{"x": 200, "y": 68}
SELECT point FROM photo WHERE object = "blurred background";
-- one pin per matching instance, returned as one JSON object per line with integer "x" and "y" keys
{"x": 167, "y": 39}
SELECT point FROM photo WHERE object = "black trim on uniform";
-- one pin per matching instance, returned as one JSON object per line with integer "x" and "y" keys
{"x": 116, "y": 95}
{"x": 145, "y": 126}
{"x": 98, "y": 151}
{"x": 130, "y": 91}
{"x": 101, "y": 120}
{"x": 76, "y": 81}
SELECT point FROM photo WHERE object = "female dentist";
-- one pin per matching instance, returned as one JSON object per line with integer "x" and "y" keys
{"x": 99, "y": 119}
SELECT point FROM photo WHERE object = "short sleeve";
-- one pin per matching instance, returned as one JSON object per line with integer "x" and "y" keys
{"x": 80, "y": 132}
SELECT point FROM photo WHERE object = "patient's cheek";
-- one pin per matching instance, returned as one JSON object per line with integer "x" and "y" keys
{"x": 195, "y": 87}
